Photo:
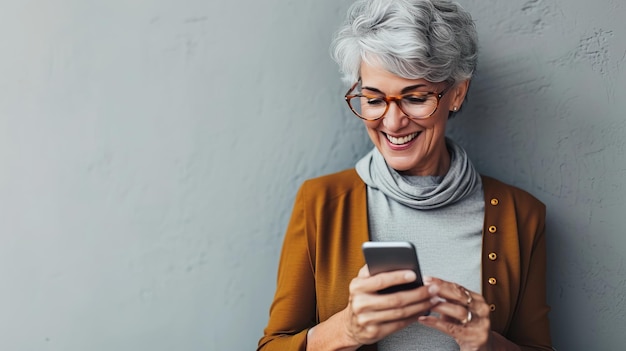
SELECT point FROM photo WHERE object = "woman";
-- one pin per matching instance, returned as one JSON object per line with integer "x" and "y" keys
{"x": 481, "y": 242}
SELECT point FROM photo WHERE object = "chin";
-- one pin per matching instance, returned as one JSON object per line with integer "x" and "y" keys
{"x": 400, "y": 165}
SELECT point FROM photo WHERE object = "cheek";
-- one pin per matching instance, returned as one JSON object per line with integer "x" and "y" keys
{"x": 371, "y": 126}
{"x": 438, "y": 121}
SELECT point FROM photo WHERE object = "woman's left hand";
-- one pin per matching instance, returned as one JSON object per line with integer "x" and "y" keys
{"x": 463, "y": 314}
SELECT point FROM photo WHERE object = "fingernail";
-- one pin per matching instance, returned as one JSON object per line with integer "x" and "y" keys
{"x": 410, "y": 276}
{"x": 433, "y": 289}
{"x": 436, "y": 299}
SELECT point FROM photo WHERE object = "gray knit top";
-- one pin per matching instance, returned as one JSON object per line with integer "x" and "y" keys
{"x": 447, "y": 235}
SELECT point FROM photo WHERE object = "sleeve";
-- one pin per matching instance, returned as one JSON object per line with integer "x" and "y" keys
{"x": 530, "y": 326}
{"x": 293, "y": 310}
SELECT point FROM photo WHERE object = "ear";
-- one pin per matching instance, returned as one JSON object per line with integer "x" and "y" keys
{"x": 458, "y": 95}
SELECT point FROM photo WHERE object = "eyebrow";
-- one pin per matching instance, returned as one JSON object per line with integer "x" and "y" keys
{"x": 403, "y": 91}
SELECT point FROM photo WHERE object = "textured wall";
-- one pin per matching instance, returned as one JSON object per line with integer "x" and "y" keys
{"x": 150, "y": 152}
{"x": 546, "y": 113}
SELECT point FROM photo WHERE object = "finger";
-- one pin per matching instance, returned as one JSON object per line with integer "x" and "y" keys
{"x": 411, "y": 312}
{"x": 364, "y": 302}
{"x": 474, "y": 334}
{"x": 373, "y": 318}
{"x": 452, "y": 292}
{"x": 364, "y": 272}
{"x": 375, "y": 283}
{"x": 456, "y": 296}
{"x": 456, "y": 313}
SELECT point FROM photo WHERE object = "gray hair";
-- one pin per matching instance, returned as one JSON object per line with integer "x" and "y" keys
{"x": 431, "y": 39}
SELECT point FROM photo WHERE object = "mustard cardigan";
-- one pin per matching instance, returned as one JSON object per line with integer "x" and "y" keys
{"x": 322, "y": 253}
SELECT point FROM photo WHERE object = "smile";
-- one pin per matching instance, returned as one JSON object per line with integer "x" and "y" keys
{"x": 402, "y": 140}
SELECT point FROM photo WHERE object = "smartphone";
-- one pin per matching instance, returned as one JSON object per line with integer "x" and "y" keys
{"x": 386, "y": 256}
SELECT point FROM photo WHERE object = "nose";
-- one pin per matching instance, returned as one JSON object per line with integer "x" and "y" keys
{"x": 395, "y": 119}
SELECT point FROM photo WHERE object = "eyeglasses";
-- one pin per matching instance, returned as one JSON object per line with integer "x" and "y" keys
{"x": 370, "y": 107}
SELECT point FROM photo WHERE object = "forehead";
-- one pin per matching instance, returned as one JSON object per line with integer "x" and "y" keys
{"x": 377, "y": 77}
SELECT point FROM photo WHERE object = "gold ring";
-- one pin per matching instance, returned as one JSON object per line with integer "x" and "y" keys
{"x": 468, "y": 318}
{"x": 469, "y": 297}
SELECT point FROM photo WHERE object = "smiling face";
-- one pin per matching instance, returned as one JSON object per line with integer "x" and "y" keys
{"x": 411, "y": 146}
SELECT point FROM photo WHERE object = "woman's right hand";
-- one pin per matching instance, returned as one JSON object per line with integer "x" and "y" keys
{"x": 371, "y": 316}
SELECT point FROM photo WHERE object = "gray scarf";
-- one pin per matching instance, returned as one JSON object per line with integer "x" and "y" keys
{"x": 422, "y": 193}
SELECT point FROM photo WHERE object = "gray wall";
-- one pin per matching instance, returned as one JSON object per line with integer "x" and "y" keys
{"x": 546, "y": 113}
{"x": 150, "y": 152}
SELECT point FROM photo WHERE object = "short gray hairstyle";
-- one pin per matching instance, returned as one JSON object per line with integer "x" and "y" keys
{"x": 431, "y": 39}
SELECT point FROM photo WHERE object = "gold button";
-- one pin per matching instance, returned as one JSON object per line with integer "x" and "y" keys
{"x": 493, "y": 229}
{"x": 492, "y": 307}
{"x": 494, "y": 202}
{"x": 493, "y": 256}
{"x": 492, "y": 281}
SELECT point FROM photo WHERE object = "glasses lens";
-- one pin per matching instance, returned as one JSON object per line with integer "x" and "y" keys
{"x": 419, "y": 106}
{"x": 369, "y": 108}
{"x": 374, "y": 107}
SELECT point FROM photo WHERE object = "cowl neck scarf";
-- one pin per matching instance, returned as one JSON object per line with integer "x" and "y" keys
{"x": 422, "y": 192}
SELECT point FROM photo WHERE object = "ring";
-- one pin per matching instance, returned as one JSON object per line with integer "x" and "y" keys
{"x": 469, "y": 297}
{"x": 468, "y": 318}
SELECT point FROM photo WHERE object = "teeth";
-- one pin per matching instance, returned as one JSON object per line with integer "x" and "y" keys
{"x": 403, "y": 140}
